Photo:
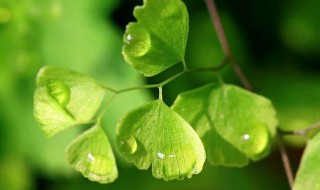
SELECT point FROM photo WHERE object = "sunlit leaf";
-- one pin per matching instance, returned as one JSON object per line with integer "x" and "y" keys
{"x": 91, "y": 154}
{"x": 308, "y": 175}
{"x": 158, "y": 39}
{"x": 64, "y": 98}
{"x": 233, "y": 123}
{"x": 155, "y": 135}
{"x": 193, "y": 107}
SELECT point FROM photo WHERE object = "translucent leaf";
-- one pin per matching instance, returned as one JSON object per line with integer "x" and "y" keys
{"x": 233, "y": 123}
{"x": 308, "y": 175}
{"x": 64, "y": 98}
{"x": 219, "y": 151}
{"x": 91, "y": 154}
{"x": 246, "y": 120}
{"x": 154, "y": 134}
{"x": 158, "y": 39}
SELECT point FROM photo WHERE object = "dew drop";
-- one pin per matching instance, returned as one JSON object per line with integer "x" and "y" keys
{"x": 255, "y": 140}
{"x": 128, "y": 146}
{"x": 246, "y": 137}
{"x": 90, "y": 157}
{"x": 160, "y": 155}
{"x": 172, "y": 155}
{"x": 138, "y": 42}
{"x": 59, "y": 91}
{"x": 129, "y": 38}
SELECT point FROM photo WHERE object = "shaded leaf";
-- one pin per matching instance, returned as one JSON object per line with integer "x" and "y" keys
{"x": 64, "y": 98}
{"x": 308, "y": 175}
{"x": 91, "y": 154}
{"x": 193, "y": 107}
{"x": 158, "y": 39}
{"x": 233, "y": 123}
{"x": 246, "y": 120}
{"x": 154, "y": 134}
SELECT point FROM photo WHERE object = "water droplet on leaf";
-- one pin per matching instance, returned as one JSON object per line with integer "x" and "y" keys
{"x": 255, "y": 141}
{"x": 59, "y": 91}
{"x": 160, "y": 155}
{"x": 138, "y": 42}
{"x": 128, "y": 146}
{"x": 246, "y": 137}
{"x": 90, "y": 157}
{"x": 129, "y": 38}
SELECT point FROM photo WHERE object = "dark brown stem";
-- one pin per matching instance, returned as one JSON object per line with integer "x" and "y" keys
{"x": 224, "y": 43}
{"x": 286, "y": 162}
{"x": 227, "y": 52}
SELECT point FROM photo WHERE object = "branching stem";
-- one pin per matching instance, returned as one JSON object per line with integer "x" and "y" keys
{"x": 158, "y": 85}
{"x": 170, "y": 79}
{"x": 227, "y": 52}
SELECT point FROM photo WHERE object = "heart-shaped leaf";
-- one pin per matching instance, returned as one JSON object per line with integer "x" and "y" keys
{"x": 246, "y": 120}
{"x": 158, "y": 39}
{"x": 154, "y": 134}
{"x": 193, "y": 107}
{"x": 233, "y": 123}
{"x": 64, "y": 98}
{"x": 91, "y": 154}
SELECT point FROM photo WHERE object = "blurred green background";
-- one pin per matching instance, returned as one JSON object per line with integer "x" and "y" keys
{"x": 276, "y": 43}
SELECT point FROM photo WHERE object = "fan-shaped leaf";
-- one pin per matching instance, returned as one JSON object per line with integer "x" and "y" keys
{"x": 246, "y": 120}
{"x": 193, "y": 106}
{"x": 154, "y": 134}
{"x": 91, "y": 154}
{"x": 158, "y": 39}
{"x": 233, "y": 123}
{"x": 64, "y": 98}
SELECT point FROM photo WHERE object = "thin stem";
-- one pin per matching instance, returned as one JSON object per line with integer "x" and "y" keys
{"x": 224, "y": 43}
{"x": 305, "y": 131}
{"x": 109, "y": 89}
{"x": 218, "y": 26}
{"x": 161, "y": 84}
{"x": 100, "y": 116}
{"x": 160, "y": 93}
{"x": 227, "y": 52}
{"x": 184, "y": 64}
{"x": 286, "y": 162}
{"x": 137, "y": 88}
{"x": 301, "y": 132}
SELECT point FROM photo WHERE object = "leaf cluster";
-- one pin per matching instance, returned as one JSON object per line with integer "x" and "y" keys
{"x": 226, "y": 124}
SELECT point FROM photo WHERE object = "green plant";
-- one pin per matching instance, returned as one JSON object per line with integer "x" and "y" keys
{"x": 225, "y": 123}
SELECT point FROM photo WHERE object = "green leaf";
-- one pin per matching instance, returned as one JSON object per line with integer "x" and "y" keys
{"x": 219, "y": 151}
{"x": 158, "y": 39}
{"x": 232, "y": 122}
{"x": 308, "y": 174}
{"x": 64, "y": 98}
{"x": 246, "y": 120}
{"x": 154, "y": 134}
{"x": 91, "y": 154}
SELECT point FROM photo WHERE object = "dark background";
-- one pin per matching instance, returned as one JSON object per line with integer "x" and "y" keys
{"x": 275, "y": 42}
